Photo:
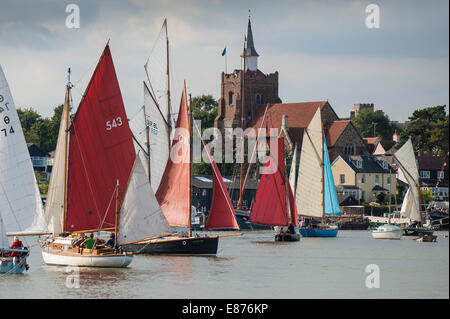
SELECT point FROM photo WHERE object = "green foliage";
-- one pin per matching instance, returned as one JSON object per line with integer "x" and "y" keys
{"x": 204, "y": 108}
{"x": 428, "y": 129}
{"x": 41, "y": 131}
{"x": 363, "y": 123}
{"x": 426, "y": 196}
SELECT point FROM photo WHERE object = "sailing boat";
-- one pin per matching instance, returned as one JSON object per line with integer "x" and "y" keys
{"x": 174, "y": 197}
{"x": 409, "y": 173}
{"x": 316, "y": 193}
{"x": 274, "y": 203}
{"x": 21, "y": 211}
{"x": 94, "y": 160}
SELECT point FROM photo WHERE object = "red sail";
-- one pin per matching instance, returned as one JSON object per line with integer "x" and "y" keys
{"x": 221, "y": 213}
{"x": 101, "y": 152}
{"x": 269, "y": 207}
{"x": 173, "y": 191}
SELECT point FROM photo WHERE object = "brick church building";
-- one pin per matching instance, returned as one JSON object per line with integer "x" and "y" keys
{"x": 260, "y": 90}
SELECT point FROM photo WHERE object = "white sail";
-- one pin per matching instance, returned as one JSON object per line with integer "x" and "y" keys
{"x": 20, "y": 201}
{"x": 3, "y": 239}
{"x": 156, "y": 69}
{"x": 55, "y": 197}
{"x": 293, "y": 172}
{"x": 158, "y": 136}
{"x": 309, "y": 192}
{"x": 407, "y": 161}
{"x": 409, "y": 208}
{"x": 409, "y": 173}
{"x": 140, "y": 215}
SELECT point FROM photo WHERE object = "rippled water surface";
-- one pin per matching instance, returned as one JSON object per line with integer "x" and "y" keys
{"x": 254, "y": 266}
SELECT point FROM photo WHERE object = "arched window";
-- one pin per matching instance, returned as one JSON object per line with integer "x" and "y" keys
{"x": 230, "y": 97}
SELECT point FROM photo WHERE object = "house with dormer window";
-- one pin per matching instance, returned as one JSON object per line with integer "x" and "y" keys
{"x": 363, "y": 176}
{"x": 433, "y": 172}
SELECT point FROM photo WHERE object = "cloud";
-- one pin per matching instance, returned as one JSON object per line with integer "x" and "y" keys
{"x": 321, "y": 49}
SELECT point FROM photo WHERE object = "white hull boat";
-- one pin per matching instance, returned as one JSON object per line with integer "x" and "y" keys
{"x": 64, "y": 252}
{"x": 107, "y": 261}
{"x": 387, "y": 232}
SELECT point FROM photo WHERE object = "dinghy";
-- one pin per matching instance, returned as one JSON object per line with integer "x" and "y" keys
{"x": 21, "y": 211}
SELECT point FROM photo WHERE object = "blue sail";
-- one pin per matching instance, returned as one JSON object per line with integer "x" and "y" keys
{"x": 330, "y": 199}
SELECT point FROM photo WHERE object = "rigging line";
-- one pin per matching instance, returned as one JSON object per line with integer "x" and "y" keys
{"x": 109, "y": 205}
{"x": 215, "y": 173}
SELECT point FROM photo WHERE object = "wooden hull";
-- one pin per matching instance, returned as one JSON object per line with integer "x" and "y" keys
{"x": 417, "y": 232}
{"x": 52, "y": 257}
{"x": 176, "y": 246}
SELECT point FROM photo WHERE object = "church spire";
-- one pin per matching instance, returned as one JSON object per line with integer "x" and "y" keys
{"x": 250, "y": 54}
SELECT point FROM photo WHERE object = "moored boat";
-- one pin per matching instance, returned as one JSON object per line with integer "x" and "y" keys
{"x": 387, "y": 231}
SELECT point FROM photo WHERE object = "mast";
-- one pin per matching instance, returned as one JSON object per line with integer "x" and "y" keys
{"x": 169, "y": 120}
{"x": 117, "y": 215}
{"x": 189, "y": 109}
{"x": 241, "y": 180}
{"x": 66, "y": 147}
{"x": 286, "y": 187}
{"x": 323, "y": 178}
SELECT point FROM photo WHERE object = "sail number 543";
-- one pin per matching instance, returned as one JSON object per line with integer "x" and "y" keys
{"x": 114, "y": 123}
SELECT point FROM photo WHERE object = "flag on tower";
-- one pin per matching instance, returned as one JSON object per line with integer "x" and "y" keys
{"x": 224, "y": 51}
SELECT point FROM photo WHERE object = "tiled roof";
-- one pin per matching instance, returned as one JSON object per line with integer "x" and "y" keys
{"x": 299, "y": 116}
{"x": 431, "y": 162}
{"x": 369, "y": 164}
{"x": 334, "y": 129}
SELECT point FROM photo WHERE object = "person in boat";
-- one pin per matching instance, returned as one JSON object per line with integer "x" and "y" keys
{"x": 17, "y": 244}
{"x": 89, "y": 242}
{"x": 291, "y": 229}
{"x": 111, "y": 242}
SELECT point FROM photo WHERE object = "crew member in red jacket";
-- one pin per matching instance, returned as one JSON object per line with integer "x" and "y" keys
{"x": 17, "y": 244}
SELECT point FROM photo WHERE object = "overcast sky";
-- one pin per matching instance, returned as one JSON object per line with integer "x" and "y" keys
{"x": 322, "y": 49}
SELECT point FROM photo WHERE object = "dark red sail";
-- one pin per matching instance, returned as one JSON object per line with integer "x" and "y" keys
{"x": 101, "y": 152}
{"x": 221, "y": 213}
{"x": 270, "y": 205}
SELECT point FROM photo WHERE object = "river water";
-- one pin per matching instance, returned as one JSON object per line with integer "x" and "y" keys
{"x": 254, "y": 266}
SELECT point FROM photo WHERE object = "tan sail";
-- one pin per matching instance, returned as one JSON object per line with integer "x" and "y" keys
{"x": 309, "y": 193}
{"x": 54, "y": 208}
{"x": 409, "y": 173}
{"x": 293, "y": 172}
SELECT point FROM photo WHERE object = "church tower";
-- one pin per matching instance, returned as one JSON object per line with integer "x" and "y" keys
{"x": 257, "y": 88}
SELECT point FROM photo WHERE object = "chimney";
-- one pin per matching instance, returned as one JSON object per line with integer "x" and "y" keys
{"x": 284, "y": 122}
{"x": 396, "y": 137}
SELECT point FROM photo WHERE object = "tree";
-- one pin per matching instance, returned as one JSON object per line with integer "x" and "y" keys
{"x": 428, "y": 129}
{"x": 364, "y": 124}
{"x": 41, "y": 131}
{"x": 204, "y": 109}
